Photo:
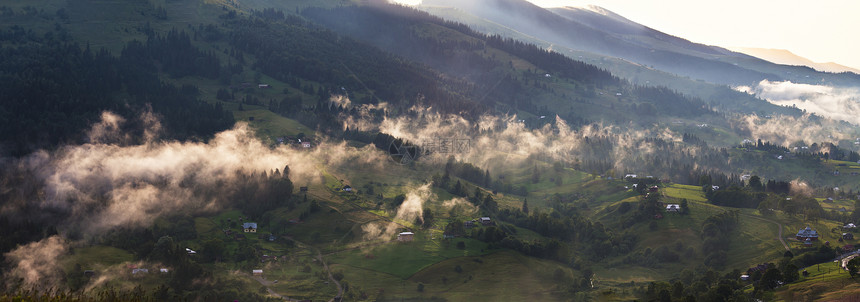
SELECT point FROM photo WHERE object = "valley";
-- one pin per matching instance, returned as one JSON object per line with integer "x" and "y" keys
{"x": 365, "y": 151}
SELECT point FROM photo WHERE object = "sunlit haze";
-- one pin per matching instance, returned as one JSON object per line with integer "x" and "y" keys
{"x": 822, "y": 31}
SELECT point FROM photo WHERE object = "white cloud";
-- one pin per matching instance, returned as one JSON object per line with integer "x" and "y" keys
{"x": 832, "y": 102}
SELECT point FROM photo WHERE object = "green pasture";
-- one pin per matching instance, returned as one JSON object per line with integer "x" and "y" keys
{"x": 403, "y": 259}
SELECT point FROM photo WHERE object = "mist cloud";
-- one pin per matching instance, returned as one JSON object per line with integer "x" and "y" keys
{"x": 104, "y": 185}
{"x": 34, "y": 265}
{"x": 787, "y": 130}
{"x": 832, "y": 102}
{"x": 491, "y": 142}
{"x": 410, "y": 211}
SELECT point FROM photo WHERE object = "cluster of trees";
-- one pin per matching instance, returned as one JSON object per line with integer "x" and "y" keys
{"x": 717, "y": 233}
{"x": 257, "y": 195}
{"x": 594, "y": 240}
{"x": 736, "y": 197}
{"x": 708, "y": 285}
{"x": 671, "y": 102}
{"x": 294, "y": 48}
{"x": 53, "y": 89}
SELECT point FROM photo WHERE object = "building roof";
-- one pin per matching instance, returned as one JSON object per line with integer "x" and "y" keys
{"x": 249, "y": 225}
{"x": 807, "y": 232}
{"x": 407, "y": 233}
{"x": 485, "y": 218}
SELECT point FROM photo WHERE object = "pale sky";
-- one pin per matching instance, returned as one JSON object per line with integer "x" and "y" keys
{"x": 822, "y": 31}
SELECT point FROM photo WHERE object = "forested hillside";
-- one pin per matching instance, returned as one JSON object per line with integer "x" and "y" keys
{"x": 365, "y": 151}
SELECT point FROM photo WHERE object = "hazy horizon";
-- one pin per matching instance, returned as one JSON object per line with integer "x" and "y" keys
{"x": 819, "y": 31}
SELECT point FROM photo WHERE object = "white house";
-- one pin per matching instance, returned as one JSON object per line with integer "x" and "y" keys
{"x": 673, "y": 208}
{"x": 405, "y": 236}
{"x": 257, "y": 272}
{"x": 250, "y": 227}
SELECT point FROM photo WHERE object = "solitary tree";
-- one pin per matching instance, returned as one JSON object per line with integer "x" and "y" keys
{"x": 852, "y": 266}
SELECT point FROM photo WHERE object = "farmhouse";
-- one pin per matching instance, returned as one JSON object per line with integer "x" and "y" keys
{"x": 807, "y": 233}
{"x": 673, "y": 208}
{"x": 257, "y": 272}
{"x": 250, "y": 227}
{"x": 347, "y": 188}
{"x": 138, "y": 271}
{"x": 849, "y": 226}
{"x": 306, "y": 144}
{"x": 405, "y": 236}
{"x": 486, "y": 221}
{"x": 847, "y": 236}
{"x": 468, "y": 224}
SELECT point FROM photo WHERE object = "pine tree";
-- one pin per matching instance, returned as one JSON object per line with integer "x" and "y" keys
{"x": 525, "y": 206}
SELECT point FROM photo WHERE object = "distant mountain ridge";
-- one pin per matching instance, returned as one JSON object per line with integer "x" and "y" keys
{"x": 783, "y": 56}
{"x": 600, "y": 31}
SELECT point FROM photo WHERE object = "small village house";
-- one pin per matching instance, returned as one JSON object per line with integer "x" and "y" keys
{"x": 486, "y": 221}
{"x": 807, "y": 233}
{"x": 673, "y": 208}
{"x": 405, "y": 236}
{"x": 250, "y": 227}
{"x": 257, "y": 272}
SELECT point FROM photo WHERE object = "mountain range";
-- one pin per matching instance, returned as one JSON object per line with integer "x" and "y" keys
{"x": 597, "y": 30}
{"x": 786, "y": 57}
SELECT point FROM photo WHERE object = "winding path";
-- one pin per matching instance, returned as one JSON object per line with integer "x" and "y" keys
{"x": 779, "y": 225}
{"x": 325, "y": 265}
{"x": 267, "y": 283}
